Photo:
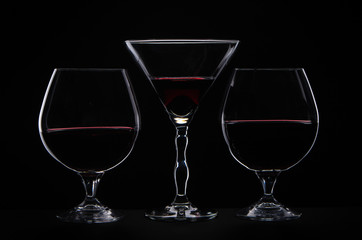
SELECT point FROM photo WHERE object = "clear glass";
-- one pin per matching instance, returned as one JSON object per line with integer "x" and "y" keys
{"x": 181, "y": 71}
{"x": 270, "y": 123}
{"x": 89, "y": 122}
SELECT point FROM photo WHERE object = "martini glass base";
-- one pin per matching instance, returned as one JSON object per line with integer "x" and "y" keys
{"x": 181, "y": 212}
{"x": 267, "y": 211}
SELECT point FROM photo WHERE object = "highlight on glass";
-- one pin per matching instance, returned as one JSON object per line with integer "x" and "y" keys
{"x": 181, "y": 72}
{"x": 89, "y": 122}
{"x": 270, "y": 123}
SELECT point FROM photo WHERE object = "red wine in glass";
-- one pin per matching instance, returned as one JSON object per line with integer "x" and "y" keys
{"x": 181, "y": 95}
{"x": 270, "y": 143}
{"x": 96, "y": 148}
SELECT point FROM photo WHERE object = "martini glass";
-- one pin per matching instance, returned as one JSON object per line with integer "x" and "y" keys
{"x": 181, "y": 71}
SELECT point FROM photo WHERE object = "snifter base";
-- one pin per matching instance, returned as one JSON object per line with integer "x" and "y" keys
{"x": 90, "y": 214}
{"x": 263, "y": 211}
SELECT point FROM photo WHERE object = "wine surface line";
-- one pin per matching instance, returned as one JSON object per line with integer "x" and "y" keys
{"x": 86, "y": 128}
{"x": 179, "y": 78}
{"x": 268, "y": 120}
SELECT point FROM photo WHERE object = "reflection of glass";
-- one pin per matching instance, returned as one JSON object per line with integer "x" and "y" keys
{"x": 270, "y": 123}
{"x": 181, "y": 72}
{"x": 89, "y": 122}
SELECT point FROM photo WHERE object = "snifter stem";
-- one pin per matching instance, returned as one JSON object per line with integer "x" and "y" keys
{"x": 90, "y": 182}
{"x": 268, "y": 180}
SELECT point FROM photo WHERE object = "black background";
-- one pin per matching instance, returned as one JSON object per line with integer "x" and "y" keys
{"x": 323, "y": 38}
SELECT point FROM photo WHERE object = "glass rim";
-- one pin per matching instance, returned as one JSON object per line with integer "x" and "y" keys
{"x": 269, "y": 69}
{"x": 181, "y": 41}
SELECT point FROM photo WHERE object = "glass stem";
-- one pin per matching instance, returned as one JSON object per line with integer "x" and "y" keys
{"x": 181, "y": 171}
{"x": 90, "y": 183}
{"x": 268, "y": 179}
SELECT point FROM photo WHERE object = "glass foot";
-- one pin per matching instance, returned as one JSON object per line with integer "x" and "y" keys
{"x": 90, "y": 213}
{"x": 267, "y": 211}
{"x": 178, "y": 212}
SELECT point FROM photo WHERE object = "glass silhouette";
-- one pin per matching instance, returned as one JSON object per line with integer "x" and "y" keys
{"x": 181, "y": 71}
{"x": 270, "y": 123}
{"x": 89, "y": 121}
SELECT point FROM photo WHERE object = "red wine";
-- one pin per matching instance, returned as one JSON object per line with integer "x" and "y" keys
{"x": 181, "y": 96}
{"x": 270, "y": 144}
{"x": 89, "y": 148}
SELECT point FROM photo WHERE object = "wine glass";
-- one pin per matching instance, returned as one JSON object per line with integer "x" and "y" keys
{"x": 181, "y": 71}
{"x": 89, "y": 122}
{"x": 270, "y": 123}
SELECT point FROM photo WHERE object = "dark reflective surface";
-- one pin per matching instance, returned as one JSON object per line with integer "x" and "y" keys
{"x": 314, "y": 223}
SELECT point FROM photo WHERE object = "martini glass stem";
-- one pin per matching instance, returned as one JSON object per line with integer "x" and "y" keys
{"x": 181, "y": 171}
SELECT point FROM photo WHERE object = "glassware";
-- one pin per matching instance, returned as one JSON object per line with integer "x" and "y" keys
{"x": 181, "y": 71}
{"x": 89, "y": 121}
{"x": 270, "y": 123}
